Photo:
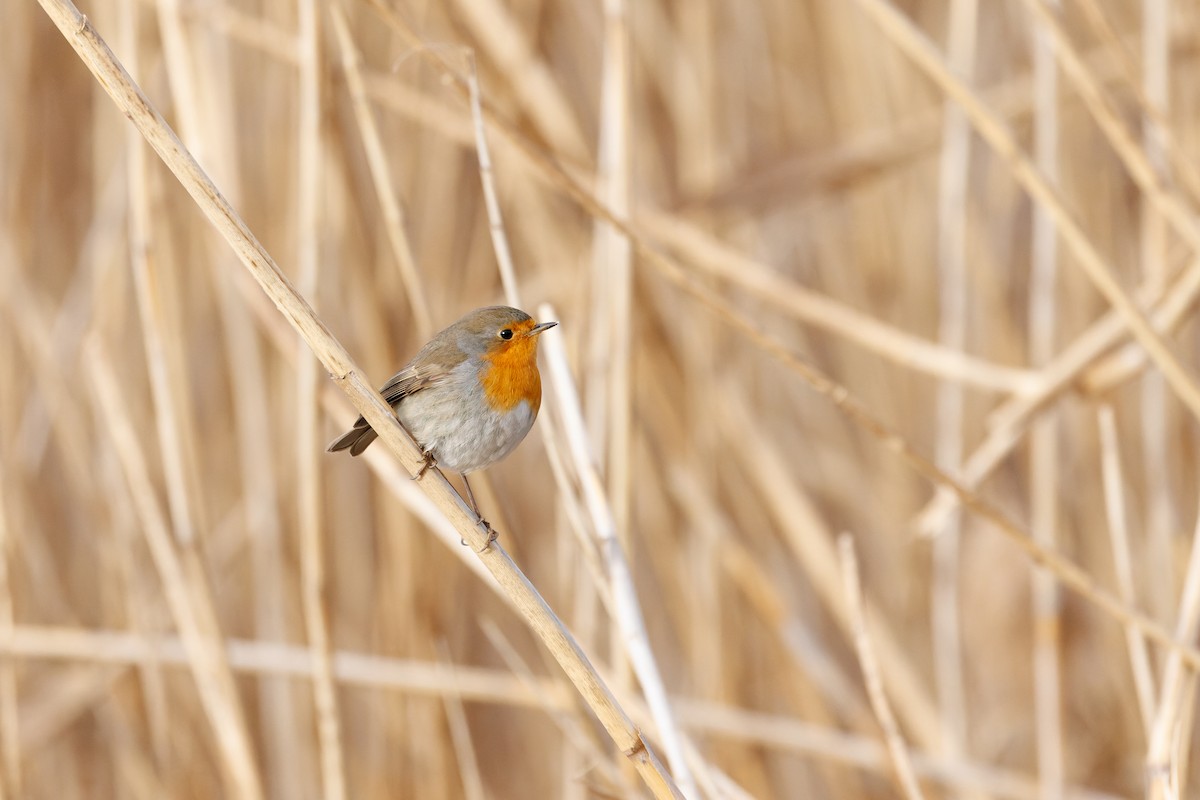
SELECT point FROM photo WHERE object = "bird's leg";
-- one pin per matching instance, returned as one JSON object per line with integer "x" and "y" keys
{"x": 430, "y": 461}
{"x": 475, "y": 507}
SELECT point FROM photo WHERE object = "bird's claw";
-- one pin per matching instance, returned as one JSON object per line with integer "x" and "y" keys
{"x": 492, "y": 535}
{"x": 430, "y": 461}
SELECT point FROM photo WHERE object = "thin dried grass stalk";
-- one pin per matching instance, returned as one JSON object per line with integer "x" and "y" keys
{"x": 10, "y": 731}
{"x": 626, "y": 608}
{"x": 906, "y": 778}
{"x": 1044, "y": 462}
{"x": 460, "y": 732}
{"x": 393, "y": 211}
{"x": 953, "y": 302}
{"x": 1118, "y": 532}
{"x": 308, "y": 449}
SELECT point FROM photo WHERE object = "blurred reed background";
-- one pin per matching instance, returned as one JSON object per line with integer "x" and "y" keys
{"x": 797, "y": 183}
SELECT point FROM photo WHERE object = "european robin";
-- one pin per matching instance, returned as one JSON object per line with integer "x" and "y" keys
{"x": 469, "y": 396}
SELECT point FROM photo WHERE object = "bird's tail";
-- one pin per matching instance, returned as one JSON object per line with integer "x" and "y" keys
{"x": 355, "y": 440}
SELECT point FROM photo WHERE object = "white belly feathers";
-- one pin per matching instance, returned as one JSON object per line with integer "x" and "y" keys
{"x": 463, "y": 439}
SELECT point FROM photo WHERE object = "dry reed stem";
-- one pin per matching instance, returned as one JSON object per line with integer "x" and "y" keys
{"x": 155, "y": 283}
{"x": 162, "y": 355}
{"x": 255, "y": 656}
{"x": 183, "y": 584}
{"x": 1043, "y": 440}
{"x": 400, "y": 484}
{"x": 1183, "y": 734}
{"x": 906, "y": 779}
{"x": 487, "y": 177}
{"x": 1162, "y": 765}
{"x": 142, "y": 617}
{"x": 91, "y": 48}
{"x": 1118, "y": 532}
{"x": 262, "y": 489}
{"x": 626, "y": 609}
{"x": 695, "y": 80}
{"x": 901, "y": 32}
{"x": 140, "y": 239}
{"x": 10, "y": 751}
{"x": 711, "y": 534}
{"x": 10, "y": 731}
{"x": 610, "y": 392}
{"x": 1160, "y": 521}
{"x": 575, "y": 513}
{"x": 389, "y": 204}
{"x": 460, "y": 733}
{"x": 953, "y": 171}
{"x": 308, "y": 450}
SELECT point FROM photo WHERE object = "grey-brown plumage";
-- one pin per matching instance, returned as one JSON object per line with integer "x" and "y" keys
{"x": 403, "y": 383}
{"x": 452, "y": 419}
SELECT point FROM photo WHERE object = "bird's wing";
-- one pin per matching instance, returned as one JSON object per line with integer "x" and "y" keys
{"x": 430, "y": 367}
{"x": 405, "y": 382}
{"x": 412, "y": 379}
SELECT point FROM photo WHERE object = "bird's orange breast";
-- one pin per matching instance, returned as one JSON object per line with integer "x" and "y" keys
{"x": 512, "y": 375}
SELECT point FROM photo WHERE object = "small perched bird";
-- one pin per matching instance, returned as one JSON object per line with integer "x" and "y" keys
{"x": 469, "y": 396}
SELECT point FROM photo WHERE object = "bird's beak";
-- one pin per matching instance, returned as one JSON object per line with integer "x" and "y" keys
{"x": 540, "y": 327}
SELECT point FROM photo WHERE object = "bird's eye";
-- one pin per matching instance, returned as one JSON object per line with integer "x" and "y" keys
{"x": 506, "y": 333}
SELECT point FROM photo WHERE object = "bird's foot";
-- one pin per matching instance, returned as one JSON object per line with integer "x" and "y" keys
{"x": 492, "y": 535}
{"x": 430, "y": 461}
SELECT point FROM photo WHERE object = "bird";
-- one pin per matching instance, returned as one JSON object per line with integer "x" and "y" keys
{"x": 468, "y": 397}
